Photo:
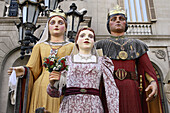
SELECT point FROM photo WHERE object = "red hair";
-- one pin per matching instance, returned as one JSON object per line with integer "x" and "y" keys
{"x": 85, "y": 28}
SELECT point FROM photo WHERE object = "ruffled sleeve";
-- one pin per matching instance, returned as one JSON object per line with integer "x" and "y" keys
{"x": 111, "y": 90}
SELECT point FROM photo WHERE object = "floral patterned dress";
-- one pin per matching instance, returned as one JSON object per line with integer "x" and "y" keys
{"x": 88, "y": 75}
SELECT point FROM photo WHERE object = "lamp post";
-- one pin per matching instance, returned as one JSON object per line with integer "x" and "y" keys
{"x": 74, "y": 19}
{"x": 51, "y": 4}
{"x": 30, "y": 12}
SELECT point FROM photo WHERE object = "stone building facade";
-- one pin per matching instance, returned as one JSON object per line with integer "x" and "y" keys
{"x": 152, "y": 28}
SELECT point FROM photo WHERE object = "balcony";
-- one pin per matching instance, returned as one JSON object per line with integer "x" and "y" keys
{"x": 139, "y": 29}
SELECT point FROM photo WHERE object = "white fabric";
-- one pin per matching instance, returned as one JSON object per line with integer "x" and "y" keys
{"x": 13, "y": 97}
{"x": 13, "y": 80}
{"x": 45, "y": 34}
{"x": 77, "y": 58}
{"x": 13, "y": 86}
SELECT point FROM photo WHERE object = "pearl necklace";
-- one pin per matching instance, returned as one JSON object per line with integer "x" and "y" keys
{"x": 54, "y": 51}
{"x": 85, "y": 57}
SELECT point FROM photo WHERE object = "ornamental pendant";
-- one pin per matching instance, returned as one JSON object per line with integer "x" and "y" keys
{"x": 54, "y": 51}
{"x": 123, "y": 55}
{"x": 122, "y": 48}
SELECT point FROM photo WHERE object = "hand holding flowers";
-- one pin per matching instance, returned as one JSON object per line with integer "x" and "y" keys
{"x": 51, "y": 64}
{"x": 54, "y": 67}
{"x": 54, "y": 76}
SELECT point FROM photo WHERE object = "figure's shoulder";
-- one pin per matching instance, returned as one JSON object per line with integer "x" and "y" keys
{"x": 69, "y": 44}
{"x": 138, "y": 42}
{"x": 102, "y": 41}
{"x": 104, "y": 59}
{"x": 40, "y": 45}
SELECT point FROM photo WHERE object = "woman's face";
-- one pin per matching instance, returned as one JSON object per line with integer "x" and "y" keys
{"x": 85, "y": 39}
{"x": 57, "y": 26}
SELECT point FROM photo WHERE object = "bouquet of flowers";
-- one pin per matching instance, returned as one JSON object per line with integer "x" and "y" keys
{"x": 51, "y": 64}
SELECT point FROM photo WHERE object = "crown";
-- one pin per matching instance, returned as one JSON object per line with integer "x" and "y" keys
{"x": 117, "y": 10}
{"x": 58, "y": 12}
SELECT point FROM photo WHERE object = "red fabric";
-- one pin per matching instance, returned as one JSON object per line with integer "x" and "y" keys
{"x": 77, "y": 90}
{"x": 129, "y": 97}
{"x": 145, "y": 66}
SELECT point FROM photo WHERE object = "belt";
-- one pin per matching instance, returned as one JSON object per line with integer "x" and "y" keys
{"x": 121, "y": 74}
{"x": 77, "y": 90}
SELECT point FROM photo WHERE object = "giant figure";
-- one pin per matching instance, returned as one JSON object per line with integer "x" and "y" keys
{"x": 134, "y": 74}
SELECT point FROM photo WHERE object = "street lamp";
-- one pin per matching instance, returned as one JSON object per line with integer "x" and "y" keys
{"x": 30, "y": 11}
{"x": 74, "y": 19}
{"x": 51, "y": 4}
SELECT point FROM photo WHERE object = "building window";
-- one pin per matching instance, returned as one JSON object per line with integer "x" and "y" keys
{"x": 13, "y": 8}
{"x": 136, "y": 10}
{"x": 139, "y": 10}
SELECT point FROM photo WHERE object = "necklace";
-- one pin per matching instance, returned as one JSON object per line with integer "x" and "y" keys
{"x": 122, "y": 54}
{"x": 54, "y": 51}
{"x": 121, "y": 45}
{"x": 85, "y": 57}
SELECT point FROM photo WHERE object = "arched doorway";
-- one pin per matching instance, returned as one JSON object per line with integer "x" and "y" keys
{"x": 160, "y": 82}
{"x": 17, "y": 62}
{"x": 11, "y": 59}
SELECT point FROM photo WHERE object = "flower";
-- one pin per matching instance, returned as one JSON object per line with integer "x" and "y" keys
{"x": 51, "y": 63}
{"x": 52, "y": 59}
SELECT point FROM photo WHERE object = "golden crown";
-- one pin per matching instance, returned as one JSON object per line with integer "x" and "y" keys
{"x": 117, "y": 10}
{"x": 58, "y": 12}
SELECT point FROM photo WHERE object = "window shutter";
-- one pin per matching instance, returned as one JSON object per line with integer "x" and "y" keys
{"x": 152, "y": 10}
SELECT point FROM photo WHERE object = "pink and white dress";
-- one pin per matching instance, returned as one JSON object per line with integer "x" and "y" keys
{"x": 88, "y": 75}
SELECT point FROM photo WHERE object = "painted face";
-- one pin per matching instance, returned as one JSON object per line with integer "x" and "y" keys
{"x": 57, "y": 26}
{"x": 117, "y": 23}
{"x": 85, "y": 39}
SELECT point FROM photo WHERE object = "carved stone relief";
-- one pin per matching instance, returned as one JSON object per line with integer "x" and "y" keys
{"x": 160, "y": 54}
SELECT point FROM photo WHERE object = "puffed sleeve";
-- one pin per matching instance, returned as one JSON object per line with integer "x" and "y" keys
{"x": 34, "y": 63}
{"x": 111, "y": 90}
{"x": 53, "y": 91}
